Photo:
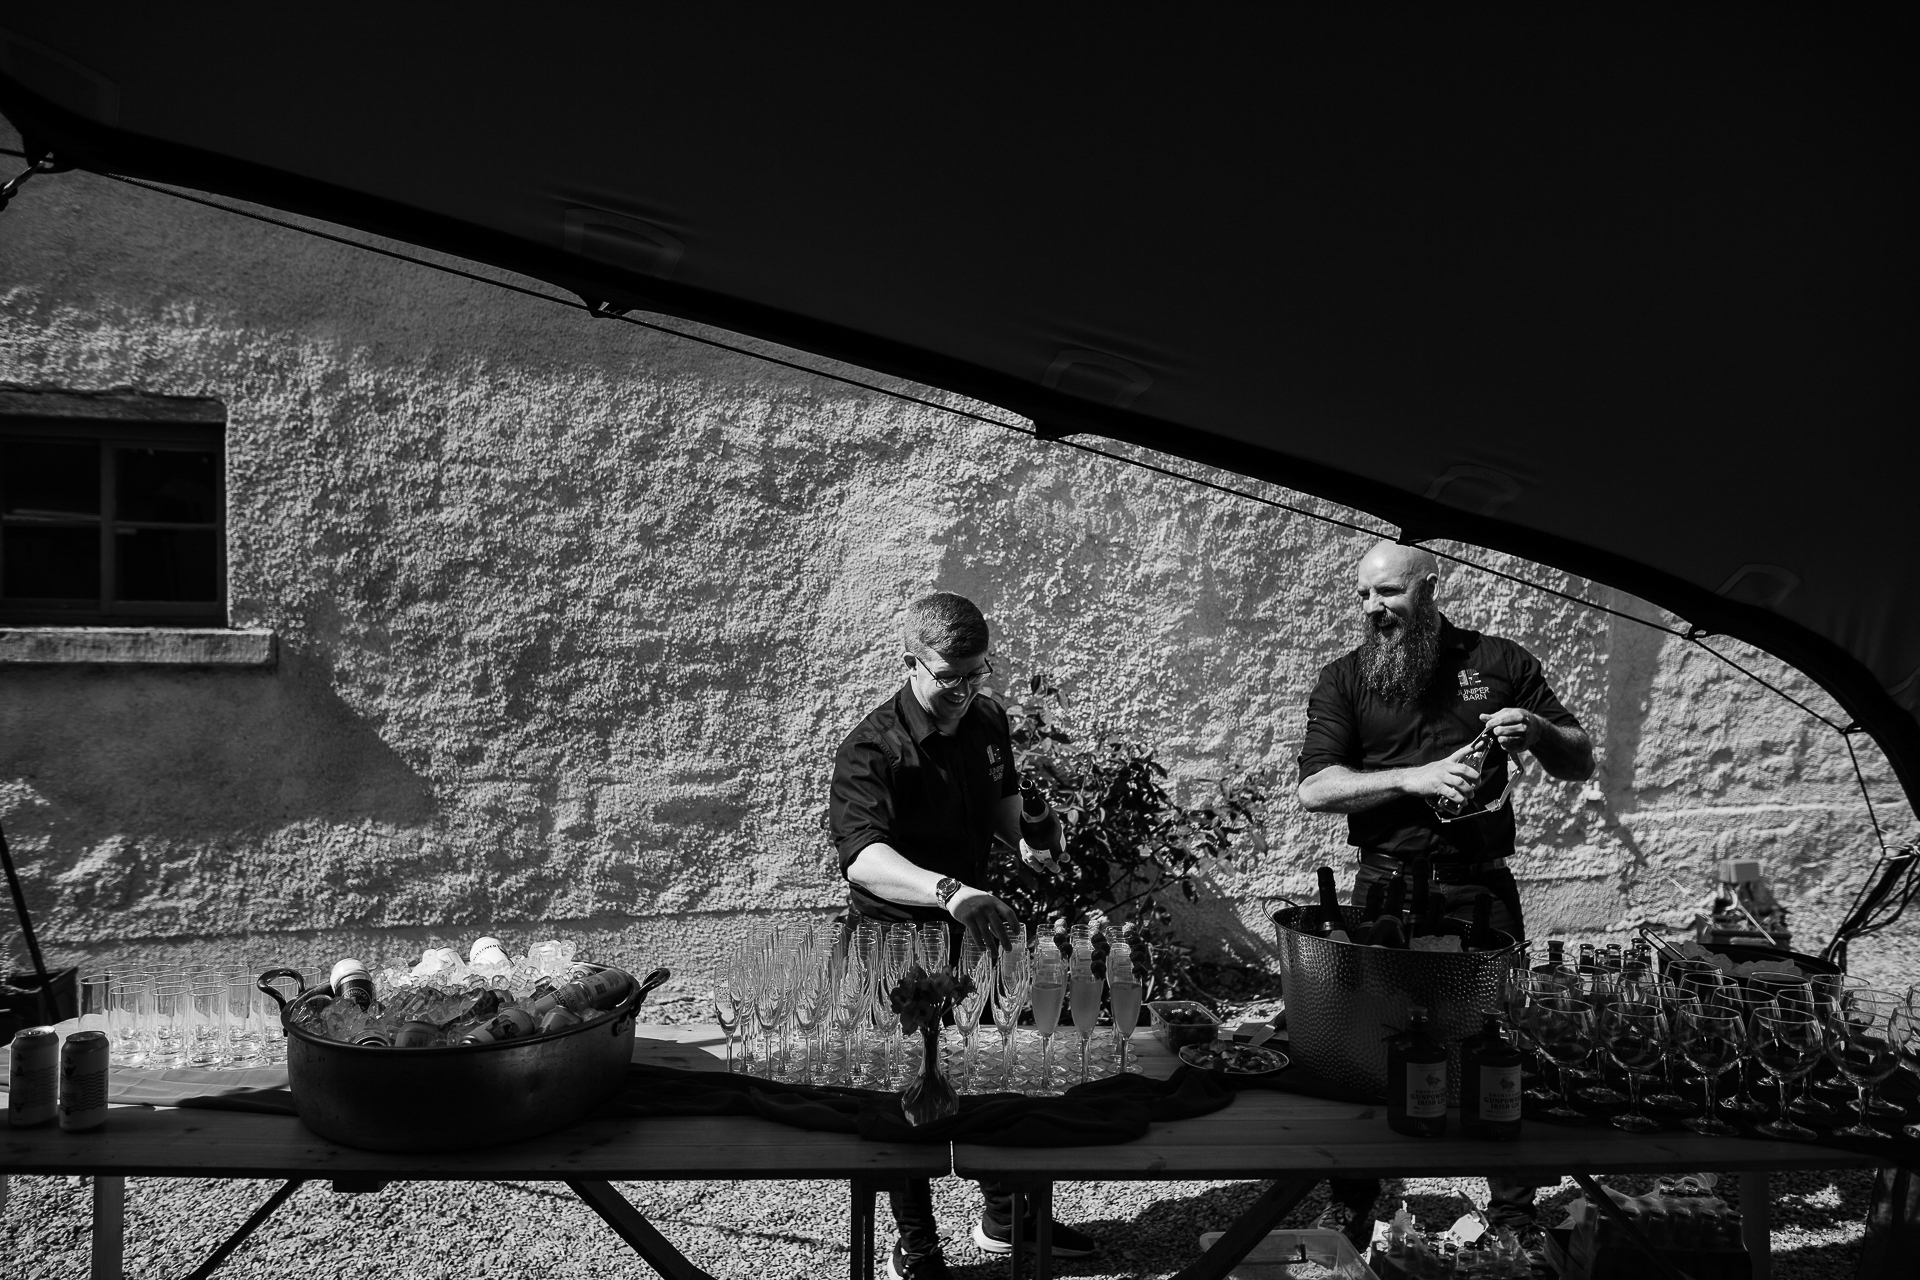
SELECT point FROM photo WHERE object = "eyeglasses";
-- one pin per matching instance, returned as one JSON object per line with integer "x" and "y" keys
{"x": 972, "y": 679}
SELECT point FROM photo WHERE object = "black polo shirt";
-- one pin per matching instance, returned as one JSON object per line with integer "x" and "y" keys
{"x": 898, "y": 781}
{"x": 1348, "y": 725}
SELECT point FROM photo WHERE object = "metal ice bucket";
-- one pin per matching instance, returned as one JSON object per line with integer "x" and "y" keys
{"x": 455, "y": 1097}
{"x": 1345, "y": 999}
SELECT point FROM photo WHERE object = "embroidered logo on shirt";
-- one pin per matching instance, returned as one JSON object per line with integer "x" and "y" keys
{"x": 996, "y": 767}
{"x": 1471, "y": 688}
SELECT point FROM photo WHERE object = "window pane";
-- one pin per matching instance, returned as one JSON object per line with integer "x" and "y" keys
{"x": 44, "y": 478}
{"x": 175, "y": 485}
{"x": 167, "y": 564}
{"x": 46, "y": 562}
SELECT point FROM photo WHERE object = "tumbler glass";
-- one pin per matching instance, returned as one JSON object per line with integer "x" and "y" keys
{"x": 95, "y": 989}
{"x": 172, "y": 1019}
{"x": 207, "y": 1019}
{"x": 130, "y": 1018}
{"x": 244, "y": 1017}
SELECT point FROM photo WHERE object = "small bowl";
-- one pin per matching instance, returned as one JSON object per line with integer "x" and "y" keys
{"x": 1243, "y": 1061}
{"x": 1177, "y": 1035}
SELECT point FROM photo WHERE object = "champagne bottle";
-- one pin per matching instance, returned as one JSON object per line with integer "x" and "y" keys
{"x": 1039, "y": 824}
{"x": 1417, "y": 1079}
{"x": 1480, "y": 933}
{"x": 1332, "y": 919}
{"x": 1376, "y": 899}
{"x": 1388, "y": 929}
{"x": 1556, "y": 962}
{"x": 1490, "y": 1083}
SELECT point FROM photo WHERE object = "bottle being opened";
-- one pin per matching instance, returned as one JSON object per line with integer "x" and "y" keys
{"x": 1476, "y": 758}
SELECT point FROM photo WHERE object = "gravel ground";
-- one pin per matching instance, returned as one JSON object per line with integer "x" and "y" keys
{"x": 775, "y": 1230}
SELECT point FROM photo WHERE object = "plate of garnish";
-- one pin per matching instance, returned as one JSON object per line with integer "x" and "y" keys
{"x": 1234, "y": 1059}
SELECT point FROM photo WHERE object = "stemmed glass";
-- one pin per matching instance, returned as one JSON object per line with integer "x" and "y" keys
{"x": 1710, "y": 1039}
{"x": 1787, "y": 1043}
{"x": 977, "y": 965}
{"x": 1084, "y": 993}
{"x": 1013, "y": 980}
{"x": 1516, "y": 994}
{"x": 726, "y": 1008}
{"x": 898, "y": 948}
{"x": 1746, "y": 1004}
{"x": 807, "y": 980}
{"x": 1124, "y": 999}
{"x": 1860, "y": 1043}
{"x": 1049, "y": 993}
{"x": 1562, "y": 1025}
{"x": 1601, "y": 991}
{"x": 1903, "y": 1029}
{"x": 1634, "y": 1033}
{"x": 1671, "y": 999}
{"x": 770, "y": 1001}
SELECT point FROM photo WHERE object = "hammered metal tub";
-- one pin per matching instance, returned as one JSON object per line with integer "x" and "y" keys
{"x": 455, "y": 1097}
{"x": 1345, "y": 999}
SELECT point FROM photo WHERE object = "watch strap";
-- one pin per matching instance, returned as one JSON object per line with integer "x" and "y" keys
{"x": 945, "y": 890}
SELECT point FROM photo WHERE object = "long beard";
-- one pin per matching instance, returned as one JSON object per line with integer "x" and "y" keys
{"x": 1397, "y": 666}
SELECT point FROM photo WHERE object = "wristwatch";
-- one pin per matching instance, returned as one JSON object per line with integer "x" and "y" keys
{"x": 945, "y": 890}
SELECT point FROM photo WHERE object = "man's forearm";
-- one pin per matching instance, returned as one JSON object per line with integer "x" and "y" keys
{"x": 1338, "y": 789}
{"x": 1567, "y": 754}
{"x": 885, "y": 873}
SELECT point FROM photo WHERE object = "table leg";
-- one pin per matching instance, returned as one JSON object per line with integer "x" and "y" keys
{"x": 1043, "y": 1231}
{"x": 1249, "y": 1229}
{"x": 247, "y": 1228}
{"x": 3, "y": 1195}
{"x": 109, "y": 1227}
{"x": 1756, "y": 1222}
{"x": 860, "y": 1240}
{"x": 636, "y": 1230}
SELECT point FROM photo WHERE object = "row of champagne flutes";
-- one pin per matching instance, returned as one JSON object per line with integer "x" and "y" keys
{"x": 183, "y": 1017}
{"x": 1773, "y": 1025}
{"x": 798, "y": 1005}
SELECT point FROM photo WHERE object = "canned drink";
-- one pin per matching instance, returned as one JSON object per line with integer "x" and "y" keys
{"x": 350, "y": 980}
{"x": 559, "y": 1019}
{"x": 507, "y": 1025}
{"x": 416, "y": 1035}
{"x": 83, "y": 1081}
{"x": 374, "y": 1038}
{"x": 488, "y": 951}
{"x": 33, "y": 1079}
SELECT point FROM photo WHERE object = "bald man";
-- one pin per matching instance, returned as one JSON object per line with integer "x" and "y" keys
{"x": 1388, "y": 729}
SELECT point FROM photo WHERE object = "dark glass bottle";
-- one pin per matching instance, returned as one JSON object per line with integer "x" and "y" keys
{"x": 1556, "y": 957}
{"x": 1490, "y": 1083}
{"x": 1480, "y": 932}
{"x": 1475, "y": 758}
{"x": 1376, "y": 900}
{"x": 1389, "y": 930}
{"x": 1332, "y": 920}
{"x": 1417, "y": 1079}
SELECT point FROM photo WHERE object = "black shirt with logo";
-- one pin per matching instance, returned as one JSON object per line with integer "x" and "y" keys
{"x": 897, "y": 780}
{"x": 1348, "y": 725}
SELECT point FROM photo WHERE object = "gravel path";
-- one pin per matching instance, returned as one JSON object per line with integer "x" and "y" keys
{"x": 770, "y": 1230}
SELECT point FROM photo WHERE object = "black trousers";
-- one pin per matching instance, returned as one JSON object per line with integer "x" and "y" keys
{"x": 1509, "y": 1202}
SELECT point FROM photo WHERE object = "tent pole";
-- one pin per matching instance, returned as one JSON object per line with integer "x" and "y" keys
{"x": 26, "y": 930}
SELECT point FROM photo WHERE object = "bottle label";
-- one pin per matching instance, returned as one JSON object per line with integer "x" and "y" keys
{"x": 1426, "y": 1090}
{"x": 1500, "y": 1093}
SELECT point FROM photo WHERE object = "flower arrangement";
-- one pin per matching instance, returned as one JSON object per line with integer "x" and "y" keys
{"x": 923, "y": 999}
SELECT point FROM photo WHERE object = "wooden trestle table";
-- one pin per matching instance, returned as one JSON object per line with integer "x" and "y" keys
{"x": 1293, "y": 1140}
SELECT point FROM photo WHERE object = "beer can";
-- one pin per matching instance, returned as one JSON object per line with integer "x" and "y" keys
{"x": 507, "y": 1025}
{"x": 559, "y": 1019}
{"x": 374, "y": 1038}
{"x": 350, "y": 980}
{"x": 416, "y": 1035}
{"x": 488, "y": 951}
{"x": 83, "y": 1081}
{"x": 33, "y": 1079}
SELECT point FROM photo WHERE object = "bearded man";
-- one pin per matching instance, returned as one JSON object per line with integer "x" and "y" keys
{"x": 1389, "y": 727}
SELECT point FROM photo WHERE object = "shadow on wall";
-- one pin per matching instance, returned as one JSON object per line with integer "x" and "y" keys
{"x": 194, "y": 753}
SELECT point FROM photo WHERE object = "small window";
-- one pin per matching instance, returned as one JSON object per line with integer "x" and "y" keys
{"x": 112, "y": 509}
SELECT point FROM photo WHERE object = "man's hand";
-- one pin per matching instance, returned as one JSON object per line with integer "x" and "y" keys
{"x": 1515, "y": 728}
{"x": 1449, "y": 779}
{"x": 1038, "y": 859}
{"x": 986, "y": 917}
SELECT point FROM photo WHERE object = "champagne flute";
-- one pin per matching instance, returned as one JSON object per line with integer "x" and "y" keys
{"x": 1013, "y": 978}
{"x": 977, "y": 966}
{"x": 1710, "y": 1040}
{"x": 1084, "y": 991}
{"x": 725, "y": 1010}
{"x": 1049, "y": 993}
{"x": 1860, "y": 1044}
{"x": 1124, "y": 997}
{"x": 898, "y": 947}
{"x": 1787, "y": 1043}
{"x": 1562, "y": 1025}
{"x": 806, "y": 993}
{"x": 1634, "y": 1033}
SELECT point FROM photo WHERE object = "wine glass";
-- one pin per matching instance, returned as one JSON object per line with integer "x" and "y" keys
{"x": 1515, "y": 995}
{"x": 1710, "y": 1039}
{"x": 1860, "y": 1044}
{"x": 1600, "y": 989}
{"x": 1124, "y": 997}
{"x": 1746, "y": 1004}
{"x": 1562, "y": 1025}
{"x": 1013, "y": 979}
{"x": 1048, "y": 994}
{"x": 1903, "y": 1029}
{"x": 1671, "y": 998}
{"x": 726, "y": 1010}
{"x": 1787, "y": 1043}
{"x": 1634, "y": 1034}
{"x": 1085, "y": 991}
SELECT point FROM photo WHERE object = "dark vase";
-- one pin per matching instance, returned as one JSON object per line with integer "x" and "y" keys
{"x": 930, "y": 1097}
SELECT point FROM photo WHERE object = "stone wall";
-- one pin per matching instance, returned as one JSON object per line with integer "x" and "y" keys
{"x": 572, "y": 615}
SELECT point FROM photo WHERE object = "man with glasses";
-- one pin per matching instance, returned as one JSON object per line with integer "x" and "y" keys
{"x": 925, "y": 791}
{"x": 1390, "y": 727}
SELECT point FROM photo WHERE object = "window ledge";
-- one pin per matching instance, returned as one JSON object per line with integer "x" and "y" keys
{"x": 135, "y": 647}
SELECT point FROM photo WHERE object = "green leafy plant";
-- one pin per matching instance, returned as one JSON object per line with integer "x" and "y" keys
{"x": 1130, "y": 846}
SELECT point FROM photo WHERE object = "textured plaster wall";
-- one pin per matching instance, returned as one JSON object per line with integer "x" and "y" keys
{"x": 572, "y": 616}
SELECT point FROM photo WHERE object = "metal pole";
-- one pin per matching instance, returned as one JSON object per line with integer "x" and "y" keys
{"x": 26, "y": 930}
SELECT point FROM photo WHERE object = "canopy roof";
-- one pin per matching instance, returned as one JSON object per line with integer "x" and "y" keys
{"x": 1631, "y": 298}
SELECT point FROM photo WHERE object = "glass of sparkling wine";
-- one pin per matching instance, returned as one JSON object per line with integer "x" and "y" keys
{"x": 1049, "y": 993}
{"x": 1085, "y": 993}
{"x": 1124, "y": 998}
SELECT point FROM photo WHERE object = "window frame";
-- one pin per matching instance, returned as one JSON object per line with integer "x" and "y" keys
{"x": 118, "y": 421}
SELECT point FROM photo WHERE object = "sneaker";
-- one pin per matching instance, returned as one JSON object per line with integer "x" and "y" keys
{"x": 901, "y": 1267}
{"x": 1357, "y": 1227}
{"x": 1067, "y": 1242}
